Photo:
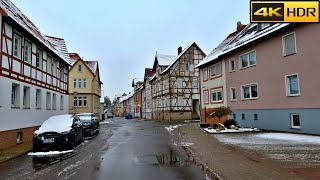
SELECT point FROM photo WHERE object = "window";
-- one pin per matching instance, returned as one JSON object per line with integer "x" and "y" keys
{"x": 15, "y": 95}
{"x": 289, "y": 44}
{"x": 79, "y": 83}
{"x": 39, "y": 59}
{"x": 215, "y": 70}
{"x": 85, "y": 101}
{"x": 180, "y": 101}
{"x": 250, "y": 92}
{"x": 48, "y": 100}
{"x": 54, "y": 68}
{"x": 17, "y": 46}
{"x": 26, "y": 97}
{"x": 79, "y": 68}
{"x": 248, "y": 59}
{"x": 38, "y": 99}
{"x": 180, "y": 83}
{"x": 295, "y": 121}
{"x": 243, "y": 116}
{"x": 195, "y": 82}
{"x": 205, "y": 74}
{"x": 292, "y": 85}
{"x": 234, "y": 116}
{"x": 49, "y": 64}
{"x": 54, "y": 101}
{"x": 27, "y": 52}
{"x": 75, "y": 101}
{"x": 206, "y": 96}
{"x": 79, "y": 101}
{"x": 84, "y": 83}
{"x": 255, "y": 116}
{"x": 19, "y": 138}
{"x": 187, "y": 67}
{"x": 74, "y": 83}
{"x": 233, "y": 95}
{"x": 231, "y": 65}
{"x": 216, "y": 95}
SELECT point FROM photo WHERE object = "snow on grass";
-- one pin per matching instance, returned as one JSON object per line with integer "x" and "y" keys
{"x": 298, "y": 138}
{"x": 50, "y": 153}
{"x": 240, "y": 130}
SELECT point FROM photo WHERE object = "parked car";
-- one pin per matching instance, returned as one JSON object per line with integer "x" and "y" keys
{"x": 129, "y": 116}
{"x": 109, "y": 115}
{"x": 90, "y": 124}
{"x": 58, "y": 133}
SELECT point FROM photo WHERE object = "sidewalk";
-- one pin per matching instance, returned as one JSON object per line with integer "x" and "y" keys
{"x": 227, "y": 161}
{"x": 15, "y": 151}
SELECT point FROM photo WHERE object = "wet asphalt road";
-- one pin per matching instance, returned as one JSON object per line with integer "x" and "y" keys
{"x": 124, "y": 149}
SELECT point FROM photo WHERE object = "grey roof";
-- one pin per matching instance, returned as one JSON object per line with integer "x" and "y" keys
{"x": 164, "y": 60}
{"x": 93, "y": 65}
{"x": 60, "y": 45}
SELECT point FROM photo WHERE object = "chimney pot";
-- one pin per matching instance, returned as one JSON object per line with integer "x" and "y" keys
{"x": 239, "y": 26}
{"x": 179, "y": 50}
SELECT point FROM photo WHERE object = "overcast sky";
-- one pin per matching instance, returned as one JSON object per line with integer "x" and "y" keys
{"x": 125, "y": 34}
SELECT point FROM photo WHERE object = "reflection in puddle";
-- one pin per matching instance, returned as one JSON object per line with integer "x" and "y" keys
{"x": 171, "y": 159}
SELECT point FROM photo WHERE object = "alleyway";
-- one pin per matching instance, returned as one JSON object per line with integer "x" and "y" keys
{"x": 124, "y": 149}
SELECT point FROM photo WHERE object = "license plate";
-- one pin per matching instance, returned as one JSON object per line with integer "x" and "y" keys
{"x": 49, "y": 140}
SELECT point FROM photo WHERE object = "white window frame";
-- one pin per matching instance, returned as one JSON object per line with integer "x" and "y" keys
{"x": 195, "y": 83}
{"x": 38, "y": 99}
{"x": 205, "y": 74}
{"x": 49, "y": 64}
{"x": 250, "y": 98}
{"x": 75, "y": 101}
{"x": 180, "y": 99}
{"x": 54, "y": 101}
{"x": 19, "y": 38}
{"x": 215, "y": 92}
{"x": 217, "y": 65}
{"x": 48, "y": 101}
{"x": 231, "y": 94}
{"x": 79, "y": 68}
{"x": 230, "y": 65}
{"x": 27, "y": 52}
{"x": 185, "y": 67}
{"x": 39, "y": 59}
{"x": 179, "y": 82}
{"x": 206, "y": 96}
{"x": 75, "y": 83}
{"x": 248, "y": 54}
{"x": 15, "y": 96}
{"x": 288, "y": 85}
{"x": 26, "y": 97}
{"x": 79, "y": 83}
{"x": 291, "y": 120}
{"x": 84, "y": 101}
{"x": 85, "y": 83}
{"x": 54, "y": 67}
{"x": 284, "y": 45}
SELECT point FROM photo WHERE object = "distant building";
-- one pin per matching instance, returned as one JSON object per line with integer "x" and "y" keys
{"x": 146, "y": 95}
{"x": 33, "y": 77}
{"x": 84, "y": 86}
{"x": 137, "y": 86}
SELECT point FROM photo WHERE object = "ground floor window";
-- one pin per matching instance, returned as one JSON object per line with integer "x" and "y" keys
{"x": 295, "y": 121}
{"x": 243, "y": 116}
{"x": 255, "y": 116}
{"x": 15, "y": 94}
{"x": 19, "y": 137}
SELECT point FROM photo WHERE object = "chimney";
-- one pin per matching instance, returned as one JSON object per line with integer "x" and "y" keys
{"x": 179, "y": 50}
{"x": 239, "y": 26}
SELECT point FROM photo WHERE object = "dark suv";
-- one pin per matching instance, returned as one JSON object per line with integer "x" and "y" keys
{"x": 58, "y": 133}
{"x": 90, "y": 123}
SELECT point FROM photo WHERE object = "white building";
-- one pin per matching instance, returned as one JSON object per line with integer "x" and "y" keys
{"x": 33, "y": 77}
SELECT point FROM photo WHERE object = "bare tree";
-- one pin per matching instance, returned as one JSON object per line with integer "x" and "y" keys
{"x": 107, "y": 102}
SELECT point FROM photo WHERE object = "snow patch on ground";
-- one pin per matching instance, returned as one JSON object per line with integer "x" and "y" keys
{"x": 50, "y": 153}
{"x": 72, "y": 166}
{"x": 171, "y": 128}
{"x": 184, "y": 144}
{"x": 105, "y": 122}
{"x": 299, "y": 138}
{"x": 240, "y": 130}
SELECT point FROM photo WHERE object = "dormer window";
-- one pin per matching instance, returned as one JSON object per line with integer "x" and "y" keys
{"x": 79, "y": 68}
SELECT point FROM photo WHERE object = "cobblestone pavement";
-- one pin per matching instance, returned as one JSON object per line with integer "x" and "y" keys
{"x": 228, "y": 161}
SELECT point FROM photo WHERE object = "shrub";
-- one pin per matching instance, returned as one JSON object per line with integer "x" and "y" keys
{"x": 230, "y": 122}
{"x": 220, "y": 112}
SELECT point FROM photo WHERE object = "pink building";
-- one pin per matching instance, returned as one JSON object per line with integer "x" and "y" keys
{"x": 271, "y": 79}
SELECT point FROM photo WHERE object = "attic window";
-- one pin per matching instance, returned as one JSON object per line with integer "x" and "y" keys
{"x": 79, "y": 68}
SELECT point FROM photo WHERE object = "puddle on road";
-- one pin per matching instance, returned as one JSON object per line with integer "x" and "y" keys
{"x": 171, "y": 159}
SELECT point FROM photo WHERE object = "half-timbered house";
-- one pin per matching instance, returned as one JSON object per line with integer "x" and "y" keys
{"x": 175, "y": 87}
{"x": 33, "y": 77}
{"x": 146, "y": 95}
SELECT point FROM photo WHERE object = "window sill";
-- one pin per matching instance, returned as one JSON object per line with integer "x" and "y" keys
{"x": 293, "y": 95}
{"x": 290, "y": 54}
{"x": 48, "y": 109}
{"x": 19, "y": 142}
{"x": 15, "y": 107}
{"x": 26, "y": 108}
{"x": 38, "y": 108}
{"x": 232, "y": 71}
{"x": 249, "y": 99}
{"x": 247, "y": 67}
{"x": 234, "y": 100}
{"x": 296, "y": 128}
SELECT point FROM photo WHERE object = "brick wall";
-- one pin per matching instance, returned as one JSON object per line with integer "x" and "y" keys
{"x": 9, "y": 138}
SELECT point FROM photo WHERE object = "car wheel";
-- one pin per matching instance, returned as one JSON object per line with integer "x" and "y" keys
{"x": 98, "y": 129}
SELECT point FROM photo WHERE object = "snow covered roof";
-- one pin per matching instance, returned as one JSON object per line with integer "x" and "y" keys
{"x": 93, "y": 65}
{"x": 60, "y": 45}
{"x": 164, "y": 60}
{"x": 249, "y": 34}
{"x": 73, "y": 57}
{"x": 16, "y": 15}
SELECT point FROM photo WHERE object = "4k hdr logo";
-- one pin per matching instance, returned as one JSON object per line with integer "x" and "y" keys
{"x": 285, "y": 11}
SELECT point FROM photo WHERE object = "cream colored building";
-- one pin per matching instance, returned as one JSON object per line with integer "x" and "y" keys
{"x": 84, "y": 86}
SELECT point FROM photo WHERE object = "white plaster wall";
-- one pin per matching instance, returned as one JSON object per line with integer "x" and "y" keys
{"x": 21, "y": 118}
